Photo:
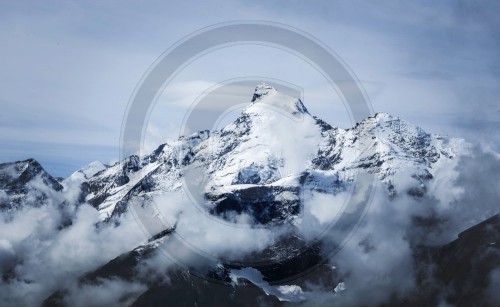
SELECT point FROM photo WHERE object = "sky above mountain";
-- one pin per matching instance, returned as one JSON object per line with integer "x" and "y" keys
{"x": 69, "y": 68}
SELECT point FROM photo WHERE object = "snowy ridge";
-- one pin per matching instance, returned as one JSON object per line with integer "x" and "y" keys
{"x": 82, "y": 175}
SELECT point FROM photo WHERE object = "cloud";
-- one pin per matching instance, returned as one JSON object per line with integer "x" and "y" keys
{"x": 209, "y": 235}
{"x": 377, "y": 265}
{"x": 376, "y": 261}
{"x": 38, "y": 257}
{"x": 492, "y": 291}
{"x": 106, "y": 292}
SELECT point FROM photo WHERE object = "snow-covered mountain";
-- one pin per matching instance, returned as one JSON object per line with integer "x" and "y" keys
{"x": 260, "y": 163}
{"x": 25, "y": 183}
{"x": 277, "y": 166}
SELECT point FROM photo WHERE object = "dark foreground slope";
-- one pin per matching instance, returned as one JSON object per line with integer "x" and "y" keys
{"x": 457, "y": 273}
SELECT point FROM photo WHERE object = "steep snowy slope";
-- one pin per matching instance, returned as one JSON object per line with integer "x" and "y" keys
{"x": 385, "y": 145}
{"x": 159, "y": 171}
{"x": 85, "y": 173}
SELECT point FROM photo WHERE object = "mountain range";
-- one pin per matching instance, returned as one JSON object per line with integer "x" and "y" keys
{"x": 280, "y": 172}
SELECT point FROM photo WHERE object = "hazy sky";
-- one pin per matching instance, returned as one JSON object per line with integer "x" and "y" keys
{"x": 69, "y": 68}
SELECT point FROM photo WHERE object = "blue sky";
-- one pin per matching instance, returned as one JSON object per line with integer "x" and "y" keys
{"x": 70, "y": 67}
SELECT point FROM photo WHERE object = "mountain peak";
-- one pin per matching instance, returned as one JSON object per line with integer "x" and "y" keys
{"x": 266, "y": 95}
{"x": 262, "y": 89}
